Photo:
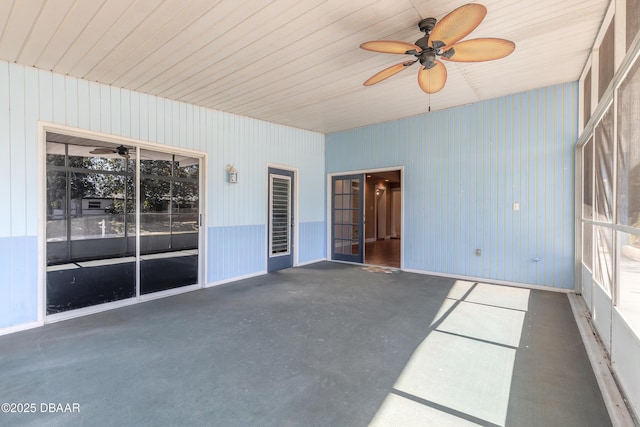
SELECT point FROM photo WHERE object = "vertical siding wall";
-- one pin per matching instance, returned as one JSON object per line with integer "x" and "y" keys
{"x": 464, "y": 169}
{"x": 236, "y": 213}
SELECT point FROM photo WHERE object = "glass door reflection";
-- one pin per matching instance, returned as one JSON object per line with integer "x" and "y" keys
{"x": 169, "y": 221}
{"x": 90, "y": 224}
{"x": 92, "y": 228}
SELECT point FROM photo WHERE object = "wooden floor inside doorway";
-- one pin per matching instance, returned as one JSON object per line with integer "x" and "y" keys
{"x": 383, "y": 252}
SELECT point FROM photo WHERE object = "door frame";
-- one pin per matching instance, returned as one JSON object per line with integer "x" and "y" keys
{"x": 296, "y": 211}
{"x": 329, "y": 205}
{"x": 393, "y": 215}
{"x": 43, "y": 128}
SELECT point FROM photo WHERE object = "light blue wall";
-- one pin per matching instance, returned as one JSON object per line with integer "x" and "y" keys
{"x": 236, "y": 213}
{"x": 464, "y": 169}
{"x": 18, "y": 263}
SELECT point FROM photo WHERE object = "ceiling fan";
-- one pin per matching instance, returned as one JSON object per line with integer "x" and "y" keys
{"x": 121, "y": 150}
{"x": 441, "y": 40}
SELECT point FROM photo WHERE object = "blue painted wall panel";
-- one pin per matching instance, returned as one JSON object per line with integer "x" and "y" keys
{"x": 31, "y": 275}
{"x": 464, "y": 169}
{"x": 312, "y": 241}
{"x": 236, "y": 251}
{"x": 18, "y": 258}
{"x": 6, "y": 301}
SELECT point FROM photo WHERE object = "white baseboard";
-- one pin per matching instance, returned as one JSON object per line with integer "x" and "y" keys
{"x": 21, "y": 327}
{"x": 370, "y": 240}
{"x": 234, "y": 279}
{"x": 87, "y": 311}
{"x": 169, "y": 293}
{"x": 491, "y": 281}
{"x": 309, "y": 262}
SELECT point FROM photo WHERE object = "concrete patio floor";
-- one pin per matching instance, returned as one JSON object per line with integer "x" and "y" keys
{"x": 327, "y": 344}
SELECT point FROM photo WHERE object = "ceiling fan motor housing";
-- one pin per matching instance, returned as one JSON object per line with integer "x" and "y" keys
{"x": 427, "y": 24}
{"x": 428, "y": 55}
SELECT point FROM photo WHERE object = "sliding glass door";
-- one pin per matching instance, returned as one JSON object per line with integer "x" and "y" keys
{"x": 169, "y": 221}
{"x": 96, "y": 220}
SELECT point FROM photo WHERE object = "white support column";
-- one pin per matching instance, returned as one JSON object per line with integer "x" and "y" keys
{"x": 595, "y": 78}
{"x": 620, "y": 33}
{"x": 585, "y": 70}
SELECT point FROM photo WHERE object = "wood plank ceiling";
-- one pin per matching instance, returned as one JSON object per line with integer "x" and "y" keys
{"x": 294, "y": 62}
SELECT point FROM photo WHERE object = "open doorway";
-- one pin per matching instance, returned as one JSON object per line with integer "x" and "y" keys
{"x": 383, "y": 218}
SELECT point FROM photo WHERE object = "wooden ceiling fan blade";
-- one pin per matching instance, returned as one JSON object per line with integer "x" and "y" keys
{"x": 458, "y": 24}
{"x": 390, "y": 46}
{"x": 433, "y": 79}
{"x": 387, "y": 72}
{"x": 478, "y": 50}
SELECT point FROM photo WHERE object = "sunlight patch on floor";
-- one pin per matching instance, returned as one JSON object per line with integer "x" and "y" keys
{"x": 461, "y": 372}
{"x": 484, "y": 322}
{"x": 400, "y": 411}
{"x": 465, "y": 375}
{"x": 459, "y": 289}
{"x": 500, "y": 296}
